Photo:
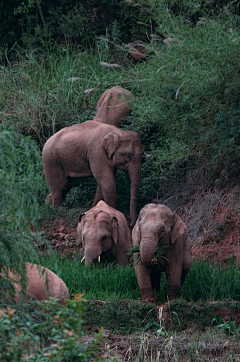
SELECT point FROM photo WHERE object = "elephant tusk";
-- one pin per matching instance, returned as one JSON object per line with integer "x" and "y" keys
{"x": 99, "y": 259}
{"x": 83, "y": 259}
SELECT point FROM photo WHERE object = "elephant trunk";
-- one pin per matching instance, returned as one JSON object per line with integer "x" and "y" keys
{"x": 91, "y": 254}
{"x": 135, "y": 174}
{"x": 147, "y": 247}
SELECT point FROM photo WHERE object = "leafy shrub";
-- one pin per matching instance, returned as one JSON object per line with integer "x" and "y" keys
{"x": 43, "y": 22}
{"x": 22, "y": 186}
{"x": 47, "y": 331}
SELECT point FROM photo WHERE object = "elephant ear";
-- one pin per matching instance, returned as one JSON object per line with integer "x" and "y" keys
{"x": 136, "y": 234}
{"x": 110, "y": 143}
{"x": 115, "y": 230}
{"x": 179, "y": 228}
{"x": 79, "y": 230}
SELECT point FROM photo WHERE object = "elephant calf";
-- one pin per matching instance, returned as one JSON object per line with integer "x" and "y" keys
{"x": 164, "y": 246}
{"x": 104, "y": 232}
{"x": 42, "y": 283}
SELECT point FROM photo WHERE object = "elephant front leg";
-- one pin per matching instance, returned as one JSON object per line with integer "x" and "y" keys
{"x": 174, "y": 275}
{"x": 57, "y": 198}
{"x": 109, "y": 193}
{"x": 144, "y": 282}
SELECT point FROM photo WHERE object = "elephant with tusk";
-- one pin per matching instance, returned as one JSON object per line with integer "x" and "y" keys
{"x": 104, "y": 232}
{"x": 163, "y": 245}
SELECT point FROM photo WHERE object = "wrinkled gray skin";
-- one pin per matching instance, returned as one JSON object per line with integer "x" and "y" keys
{"x": 158, "y": 225}
{"x": 113, "y": 106}
{"x": 93, "y": 149}
{"x": 104, "y": 232}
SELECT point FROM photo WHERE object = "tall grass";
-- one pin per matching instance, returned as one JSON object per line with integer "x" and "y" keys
{"x": 205, "y": 281}
{"x": 186, "y": 105}
{"x": 212, "y": 281}
{"x": 100, "y": 282}
{"x": 21, "y": 188}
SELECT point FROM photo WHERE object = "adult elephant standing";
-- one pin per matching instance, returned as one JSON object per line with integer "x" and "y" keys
{"x": 113, "y": 106}
{"x": 164, "y": 246}
{"x": 93, "y": 149}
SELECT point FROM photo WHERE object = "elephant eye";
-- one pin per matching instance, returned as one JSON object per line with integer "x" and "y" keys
{"x": 104, "y": 238}
{"x": 161, "y": 231}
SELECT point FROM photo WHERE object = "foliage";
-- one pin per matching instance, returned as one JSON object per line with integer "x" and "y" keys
{"x": 38, "y": 96}
{"x": 104, "y": 281}
{"x": 186, "y": 107}
{"x": 215, "y": 282}
{"x": 43, "y": 22}
{"x": 229, "y": 327}
{"x": 110, "y": 281}
{"x": 47, "y": 331}
{"x": 190, "y": 78}
{"x": 21, "y": 186}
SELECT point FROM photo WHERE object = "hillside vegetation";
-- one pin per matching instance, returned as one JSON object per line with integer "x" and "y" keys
{"x": 54, "y": 61}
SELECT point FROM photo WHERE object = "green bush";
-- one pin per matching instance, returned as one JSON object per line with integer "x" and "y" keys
{"x": 47, "y": 331}
{"x": 44, "y": 22}
{"x": 22, "y": 186}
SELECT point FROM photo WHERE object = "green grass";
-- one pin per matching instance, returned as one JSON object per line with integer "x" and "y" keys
{"x": 212, "y": 281}
{"x": 186, "y": 107}
{"x": 100, "y": 282}
{"x": 205, "y": 281}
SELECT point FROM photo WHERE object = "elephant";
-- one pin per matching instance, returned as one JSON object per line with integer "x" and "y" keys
{"x": 93, "y": 149}
{"x": 163, "y": 245}
{"x": 42, "y": 283}
{"x": 104, "y": 232}
{"x": 113, "y": 106}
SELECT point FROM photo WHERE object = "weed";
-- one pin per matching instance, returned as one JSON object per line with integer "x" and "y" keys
{"x": 45, "y": 332}
{"x": 229, "y": 327}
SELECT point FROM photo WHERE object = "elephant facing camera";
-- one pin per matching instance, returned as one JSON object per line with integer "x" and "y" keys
{"x": 163, "y": 245}
{"x": 104, "y": 234}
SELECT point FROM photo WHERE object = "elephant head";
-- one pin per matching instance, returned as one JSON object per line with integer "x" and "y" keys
{"x": 125, "y": 152}
{"x": 113, "y": 106}
{"x": 98, "y": 231}
{"x": 157, "y": 225}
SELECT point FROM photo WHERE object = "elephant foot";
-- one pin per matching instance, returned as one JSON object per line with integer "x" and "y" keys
{"x": 173, "y": 291}
{"x": 148, "y": 295}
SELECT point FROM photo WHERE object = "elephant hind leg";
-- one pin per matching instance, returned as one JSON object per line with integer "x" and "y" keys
{"x": 57, "y": 182}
